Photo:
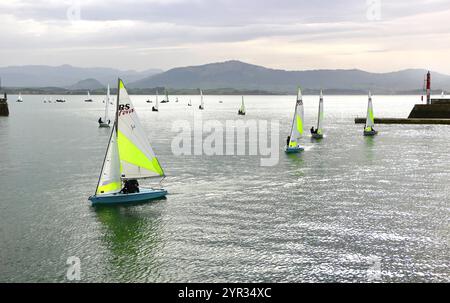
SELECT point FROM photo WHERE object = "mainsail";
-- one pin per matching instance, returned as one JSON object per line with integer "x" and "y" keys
{"x": 109, "y": 181}
{"x": 108, "y": 99}
{"x": 242, "y": 109}
{"x": 370, "y": 122}
{"x": 320, "y": 117}
{"x": 202, "y": 104}
{"x": 167, "y": 96}
{"x": 297, "y": 123}
{"x": 137, "y": 159}
{"x": 156, "y": 103}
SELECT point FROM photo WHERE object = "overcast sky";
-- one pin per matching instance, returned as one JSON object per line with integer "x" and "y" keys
{"x": 372, "y": 35}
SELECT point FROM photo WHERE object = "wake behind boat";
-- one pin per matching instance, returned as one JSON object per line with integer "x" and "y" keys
{"x": 129, "y": 158}
{"x": 292, "y": 142}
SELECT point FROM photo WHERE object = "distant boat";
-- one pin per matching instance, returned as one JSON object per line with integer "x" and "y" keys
{"x": 202, "y": 104}
{"x": 89, "y": 99}
{"x": 106, "y": 121}
{"x": 60, "y": 100}
{"x": 167, "y": 98}
{"x": 443, "y": 94}
{"x": 370, "y": 120}
{"x": 19, "y": 98}
{"x": 241, "y": 110}
{"x": 176, "y": 100}
{"x": 190, "y": 102}
{"x": 155, "y": 108}
{"x": 220, "y": 101}
{"x": 296, "y": 133}
{"x": 129, "y": 157}
{"x": 149, "y": 101}
{"x": 318, "y": 132}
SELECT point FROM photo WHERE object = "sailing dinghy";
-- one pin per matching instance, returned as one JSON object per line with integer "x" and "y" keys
{"x": 202, "y": 104}
{"x": 106, "y": 121}
{"x": 296, "y": 128}
{"x": 129, "y": 157}
{"x": 370, "y": 121}
{"x": 20, "y": 99}
{"x": 89, "y": 99}
{"x": 318, "y": 132}
{"x": 155, "y": 107}
{"x": 241, "y": 110}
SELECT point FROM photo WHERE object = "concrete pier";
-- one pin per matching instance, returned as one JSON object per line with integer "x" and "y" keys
{"x": 404, "y": 121}
{"x": 4, "y": 111}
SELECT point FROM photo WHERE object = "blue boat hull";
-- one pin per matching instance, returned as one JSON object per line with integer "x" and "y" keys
{"x": 145, "y": 194}
{"x": 371, "y": 133}
{"x": 293, "y": 150}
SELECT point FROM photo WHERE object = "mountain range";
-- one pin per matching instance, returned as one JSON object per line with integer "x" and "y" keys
{"x": 233, "y": 76}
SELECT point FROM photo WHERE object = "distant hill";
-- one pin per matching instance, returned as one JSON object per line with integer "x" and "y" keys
{"x": 65, "y": 75}
{"x": 87, "y": 84}
{"x": 240, "y": 75}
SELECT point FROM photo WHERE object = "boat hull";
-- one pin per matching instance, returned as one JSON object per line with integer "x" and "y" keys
{"x": 371, "y": 133}
{"x": 317, "y": 136}
{"x": 103, "y": 125}
{"x": 145, "y": 195}
{"x": 293, "y": 150}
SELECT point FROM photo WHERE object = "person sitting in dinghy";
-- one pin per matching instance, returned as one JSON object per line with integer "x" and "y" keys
{"x": 100, "y": 121}
{"x": 288, "y": 140}
{"x": 130, "y": 187}
{"x": 313, "y": 131}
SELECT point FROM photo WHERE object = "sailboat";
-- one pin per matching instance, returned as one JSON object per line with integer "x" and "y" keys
{"x": 202, "y": 104}
{"x": 241, "y": 110}
{"x": 318, "y": 132}
{"x": 189, "y": 103}
{"x": 19, "y": 98}
{"x": 297, "y": 127}
{"x": 89, "y": 99}
{"x": 167, "y": 97}
{"x": 129, "y": 157}
{"x": 370, "y": 121}
{"x": 155, "y": 107}
{"x": 106, "y": 121}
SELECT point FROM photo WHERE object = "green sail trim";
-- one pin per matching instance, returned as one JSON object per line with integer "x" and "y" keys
{"x": 130, "y": 153}
{"x": 371, "y": 116}
{"x": 111, "y": 187}
{"x": 292, "y": 144}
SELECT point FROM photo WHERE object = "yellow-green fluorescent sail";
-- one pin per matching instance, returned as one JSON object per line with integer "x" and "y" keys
{"x": 299, "y": 125}
{"x": 130, "y": 153}
{"x": 111, "y": 187}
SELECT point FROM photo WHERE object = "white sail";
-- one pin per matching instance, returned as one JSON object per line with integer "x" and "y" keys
{"x": 137, "y": 158}
{"x": 242, "y": 109}
{"x": 108, "y": 98}
{"x": 89, "y": 95}
{"x": 320, "y": 116}
{"x": 20, "y": 97}
{"x": 156, "y": 103}
{"x": 110, "y": 181}
{"x": 202, "y": 104}
{"x": 297, "y": 123}
{"x": 370, "y": 121}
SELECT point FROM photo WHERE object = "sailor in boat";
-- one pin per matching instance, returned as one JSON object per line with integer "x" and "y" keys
{"x": 100, "y": 121}
{"x": 288, "y": 140}
{"x": 370, "y": 129}
{"x": 130, "y": 187}
{"x": 313, "y": 131}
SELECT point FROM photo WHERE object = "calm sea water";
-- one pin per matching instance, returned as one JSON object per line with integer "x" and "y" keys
{"x": 348, "y": 209}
